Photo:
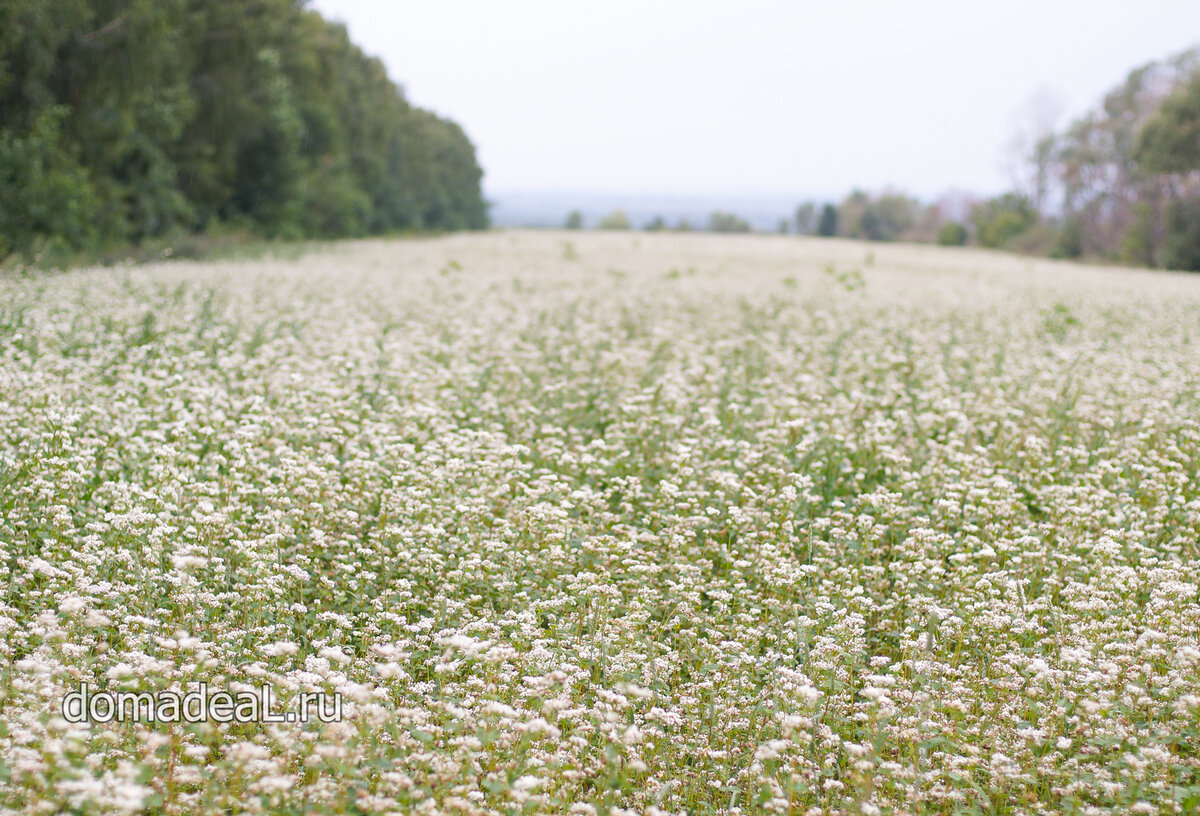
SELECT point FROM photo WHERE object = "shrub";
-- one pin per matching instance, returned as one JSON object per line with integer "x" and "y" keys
{"x": 952, "y": 233}
{"x": 999, "y": 220}
{"x": 727, "y": 222}
{"x": 615, "y": 220}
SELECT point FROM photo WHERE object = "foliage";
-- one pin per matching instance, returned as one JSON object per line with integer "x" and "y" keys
{"x": 998, "y": 220}
{"x": 1181, "y": 247}
{"x": 1040, "y": 238}
{"x": 877, "y": 218}
{"x": 615, "y": 220}
{"x": 1140, "y": 244}
{"x": 727, "y": 222}
{"x": 1069, "y": 239}
{"x": 850, "y": 215}
{"x": 574, "y": 220}
{"x": 1127, "y": 166}
{"x": 1169, "y": 144}
{"x": 152, "y": 118}
{"x": 805, "y": 218}
{"x": 1170, "y": 141}
{"x": 952, "y": 233}
{"x": 46, "y": 192}
{"x": 896, "y": 215}
{"x": 827, "y": 227}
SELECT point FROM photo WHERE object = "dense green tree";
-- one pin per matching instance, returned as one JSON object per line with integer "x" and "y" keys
{"x": 574, "y": 220}
{"x": 1181, "y": 244}
{"x": 1001, "y": 219}
{"x": 870, "y": 225}
{"x": 1170, "y": 141}
{"x": 117, "y": 71}
{"x": 1068, "y": 242}
{"x": 1169, "y": 145}
{"x": 886, "y": 217}
{"x": 828, "y": 225}
{"x": 45, "y": 191}
{"x": 122, "y": 120}
{"x": 952, "y": 233}
{"x": 267, "y": 161}
{"x": 1118, "y": 164}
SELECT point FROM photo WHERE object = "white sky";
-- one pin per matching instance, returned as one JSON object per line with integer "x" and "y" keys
{"x": 799, "y": 98}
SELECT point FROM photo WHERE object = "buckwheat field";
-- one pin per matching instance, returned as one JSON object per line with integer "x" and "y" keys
{"x": 605, "y": 524}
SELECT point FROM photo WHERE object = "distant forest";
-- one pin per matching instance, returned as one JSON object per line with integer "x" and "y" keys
{"x": 1120, "y": 184}
{"x": 128, "y": 120}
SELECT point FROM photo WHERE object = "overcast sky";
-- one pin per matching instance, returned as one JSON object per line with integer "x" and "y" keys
{"x": 794, "y": 98}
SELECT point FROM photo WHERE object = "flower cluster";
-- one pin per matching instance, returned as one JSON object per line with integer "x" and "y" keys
{"x": 662, "y": 524}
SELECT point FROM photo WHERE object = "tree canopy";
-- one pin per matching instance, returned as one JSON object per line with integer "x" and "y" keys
{"x": 122, "y": 120}
{"x": 1130, "y": 170}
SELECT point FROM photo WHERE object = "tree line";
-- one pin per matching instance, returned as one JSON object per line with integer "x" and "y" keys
{"x": 128, "y": 120}
{"x": 1119, "y": 184}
